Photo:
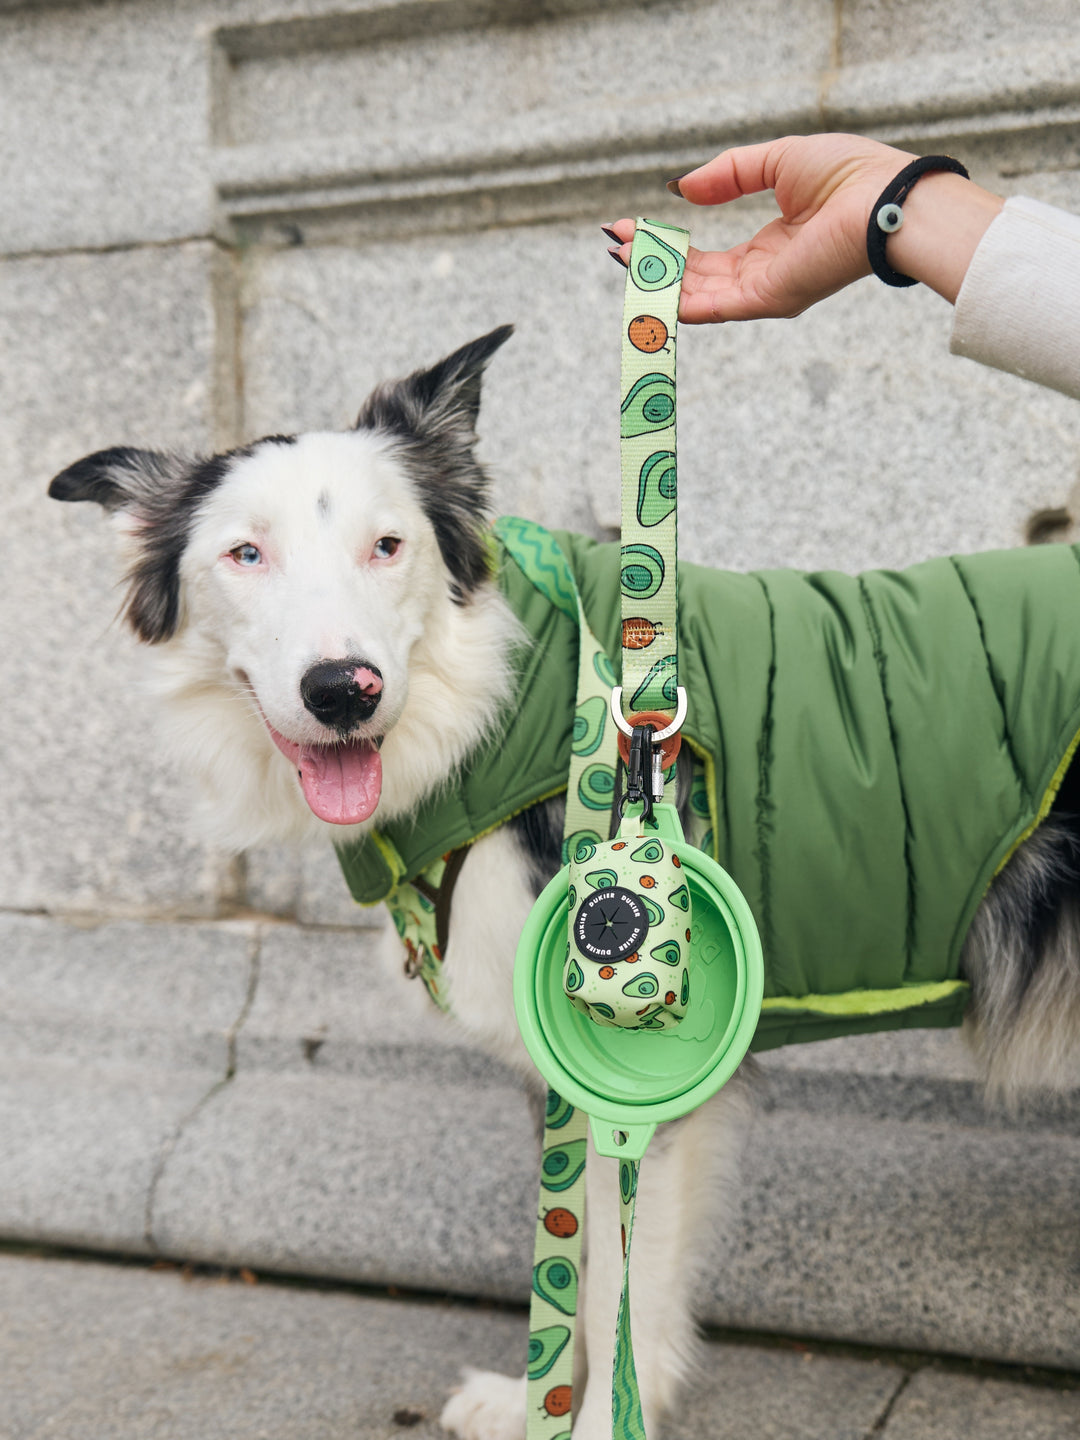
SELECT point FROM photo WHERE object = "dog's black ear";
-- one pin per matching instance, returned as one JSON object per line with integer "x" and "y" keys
{"x": 155, "y": 496}
{"x": 116, "y": 479}
{"x": 440, "y": 404}
{"x": 432, "y": 414}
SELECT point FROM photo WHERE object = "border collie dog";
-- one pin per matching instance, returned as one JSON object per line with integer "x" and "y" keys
{"x": 330, "y": 648}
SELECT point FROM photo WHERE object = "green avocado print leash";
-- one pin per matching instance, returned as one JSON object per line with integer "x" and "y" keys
{"x": 647, "y": 452}
{"x": 650, "y": 677}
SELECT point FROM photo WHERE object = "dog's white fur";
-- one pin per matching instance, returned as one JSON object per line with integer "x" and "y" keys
{"x": 315, "y": 509}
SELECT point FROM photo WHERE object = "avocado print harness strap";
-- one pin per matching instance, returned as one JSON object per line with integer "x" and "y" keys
{"x": 420, "y": 910}
{"x": 590, "y": 789}
{"x": 649, "y": 678}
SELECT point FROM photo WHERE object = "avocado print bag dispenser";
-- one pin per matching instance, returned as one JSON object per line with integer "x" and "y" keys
{"x": 628, "y": 952}
{"x": 639, "y": 976}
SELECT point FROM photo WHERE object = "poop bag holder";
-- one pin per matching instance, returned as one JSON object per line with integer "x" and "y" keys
{"x": 628, "y": 952}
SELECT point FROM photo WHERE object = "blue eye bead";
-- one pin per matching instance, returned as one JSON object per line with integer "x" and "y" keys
{"x": 889, "y": 218}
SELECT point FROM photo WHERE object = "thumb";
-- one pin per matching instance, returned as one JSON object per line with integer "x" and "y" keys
{"x": 743, "y": 170}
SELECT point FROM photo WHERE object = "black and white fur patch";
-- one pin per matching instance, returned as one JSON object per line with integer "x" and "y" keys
{"x": 432, "y": 415}
{"x": 160, "y": 491}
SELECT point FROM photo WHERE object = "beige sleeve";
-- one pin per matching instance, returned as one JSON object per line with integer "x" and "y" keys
{"x": 1019, "y": 306}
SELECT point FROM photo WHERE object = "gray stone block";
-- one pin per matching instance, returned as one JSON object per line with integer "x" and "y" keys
{"x": 955, "y": 1407}
{"x": 80, "y": 1142}
{"x": 741, "y": 1390}
{"x": 111, "y": 1036}
{"x": 163, "y": 996}
{"x": 98, "y": 350}
{"x": 938, "y": 1055}
{"x": 920, "y": 1230}
{"x": 385, "y": 1181}
{"x": 304, "y": 883}
{"x": 360, "y": 1137}
{"x": 557, "y": 84}
{"x": 324, "y": 897}
{"x": 335, "y": 1003}
{"x": 104, "y": 109}
{"x": 959, "y": 91}
{"x": 879, "y": 1201}
{"x": 876, "y": 30}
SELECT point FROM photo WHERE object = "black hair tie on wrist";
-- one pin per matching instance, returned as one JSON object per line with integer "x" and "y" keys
{"x": 886, "y": 217}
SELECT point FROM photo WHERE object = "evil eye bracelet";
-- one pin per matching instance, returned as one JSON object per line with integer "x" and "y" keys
{"x": 887, "y": 215}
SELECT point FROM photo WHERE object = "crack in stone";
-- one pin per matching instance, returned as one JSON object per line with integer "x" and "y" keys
{"x": 230, "y": 1070}
{"x": 116, "y": 247}
{"x": 878, "y": 1427}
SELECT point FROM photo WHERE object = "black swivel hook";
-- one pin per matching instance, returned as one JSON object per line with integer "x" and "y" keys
{"x": 639, "y": 769}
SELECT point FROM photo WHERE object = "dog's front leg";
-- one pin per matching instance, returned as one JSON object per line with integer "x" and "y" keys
{"x": 681, "y": 1192}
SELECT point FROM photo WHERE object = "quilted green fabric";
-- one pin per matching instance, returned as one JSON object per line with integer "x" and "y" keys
{"x": 875, "y": 747}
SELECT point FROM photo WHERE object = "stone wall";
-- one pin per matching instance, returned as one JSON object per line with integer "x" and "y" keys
{"x": 228, "y": 217}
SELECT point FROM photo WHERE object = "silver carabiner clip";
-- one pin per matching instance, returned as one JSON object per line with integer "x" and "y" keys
{"x": 668, "y": 730}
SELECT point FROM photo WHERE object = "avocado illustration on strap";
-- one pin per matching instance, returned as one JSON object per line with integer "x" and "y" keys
{"x": 545, "y": 1347}
{"x": 649, "y": 406}
{"x": 654, "y": 265}
{"x": 656, "y": 488}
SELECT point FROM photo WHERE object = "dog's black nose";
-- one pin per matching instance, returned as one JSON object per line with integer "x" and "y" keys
{"x": 341, "y": 693}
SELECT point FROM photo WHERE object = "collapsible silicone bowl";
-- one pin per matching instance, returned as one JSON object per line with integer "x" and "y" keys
{"x": 628, "y": 1081}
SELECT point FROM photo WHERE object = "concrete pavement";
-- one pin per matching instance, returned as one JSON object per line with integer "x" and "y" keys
{"x": 94, "y": 1350}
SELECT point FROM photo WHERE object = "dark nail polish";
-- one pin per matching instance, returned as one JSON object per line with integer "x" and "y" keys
{"x": 611, "y": 235}
{"x": 613, "y": 252}
{"x": 673, "y": 185}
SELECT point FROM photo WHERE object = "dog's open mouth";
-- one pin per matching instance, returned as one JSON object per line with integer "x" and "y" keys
{"x": 341, "y": 782}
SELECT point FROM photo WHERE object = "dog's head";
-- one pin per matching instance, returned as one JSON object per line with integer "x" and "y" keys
{"x": 319, "y": 593}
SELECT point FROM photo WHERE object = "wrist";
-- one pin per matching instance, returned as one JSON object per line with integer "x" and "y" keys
{"x": 945, "y": 217}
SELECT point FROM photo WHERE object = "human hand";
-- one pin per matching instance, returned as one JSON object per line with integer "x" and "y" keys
{"x": 825, "y": 186}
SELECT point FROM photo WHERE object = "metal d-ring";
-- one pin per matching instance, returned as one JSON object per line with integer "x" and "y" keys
{"x": 668, "y": 730}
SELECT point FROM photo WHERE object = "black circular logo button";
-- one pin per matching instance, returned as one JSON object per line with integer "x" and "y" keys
{"x": 610, "y": 924}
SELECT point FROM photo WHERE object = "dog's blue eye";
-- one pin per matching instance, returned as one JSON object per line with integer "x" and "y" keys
{"x": 386, "y": 546}
{"x": 246, "y": 555}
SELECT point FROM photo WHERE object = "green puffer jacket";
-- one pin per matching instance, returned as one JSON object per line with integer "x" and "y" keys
{"x": 874, "y": 749}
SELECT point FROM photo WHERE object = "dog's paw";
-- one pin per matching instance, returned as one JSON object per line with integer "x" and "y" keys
{"x": 486, "y": 1407}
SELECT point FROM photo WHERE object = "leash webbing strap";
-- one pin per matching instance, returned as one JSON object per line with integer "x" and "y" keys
{"x": 649, "y": 585}
{"x": 627, "y": 1422}
{"x": 560, "y": 1224}
{"x": 650, "y": 676}
{"x": 590, "y": 788}
{"x": 647, "y": 455}
{"x": 560, "y": 1218}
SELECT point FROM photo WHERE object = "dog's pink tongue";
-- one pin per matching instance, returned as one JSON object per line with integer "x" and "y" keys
{"x": 341, "y": 783}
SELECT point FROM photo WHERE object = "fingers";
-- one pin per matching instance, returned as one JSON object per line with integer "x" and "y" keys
{"x": 709, "y": 292}
{"x": 744, "y": 170}
{"x": 620, "y": 231}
